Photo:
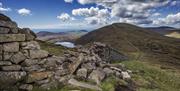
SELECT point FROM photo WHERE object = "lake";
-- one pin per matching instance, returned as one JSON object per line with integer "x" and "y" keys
{"x": 66, "y": 44}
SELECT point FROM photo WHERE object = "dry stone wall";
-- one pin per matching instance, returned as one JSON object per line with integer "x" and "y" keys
{"x": 23, "y": 65}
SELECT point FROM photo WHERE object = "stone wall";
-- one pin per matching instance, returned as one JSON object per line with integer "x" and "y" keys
{"x": 23, "y": 65}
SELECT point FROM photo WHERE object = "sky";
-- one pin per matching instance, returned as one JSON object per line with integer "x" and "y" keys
{"x": 91, "y": 14}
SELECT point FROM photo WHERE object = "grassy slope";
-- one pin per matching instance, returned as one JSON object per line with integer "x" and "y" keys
{"x": 147, "y": 76}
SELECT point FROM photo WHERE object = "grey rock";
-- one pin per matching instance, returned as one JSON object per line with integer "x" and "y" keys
{"x": 18, "y": 57}
{"x": 97, "y": 75}
{"x": 7, "y": 55}
{"x": 32, "y": 45}
{"x": 37, "y": 76}
{"x": 30, "y": 35}
{"x": 11, "y": 47}
{"x": 8, "y": 79}
{"x": 4, "y": 17}
{"x": 48, "y": 86}
{"x": 9, "y": 24}
{"x": 89, "y": 66}
{"x": 125, "y": 75}
{"x": 108, "y": 71}
{"x": 11, "y": 38}
{"x": 38, "y": 54}
{"x": 5, "y": 63}
{"x": 26, "y": 87}
{"x": 11, "y": 68}
{"x": 42, "y": 81}
{"x": 14, "y": 30}
{"x": 29, "y": 62}
{"x": 4, "y": 30}
{"x": 82, "y": 72}
{"x": 62, "y": 72}
{"x": 84, "y": 85}
{"x": 33, "y": 68}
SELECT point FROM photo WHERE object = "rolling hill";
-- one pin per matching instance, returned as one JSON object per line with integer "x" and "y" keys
{"x": 137, "y": 42}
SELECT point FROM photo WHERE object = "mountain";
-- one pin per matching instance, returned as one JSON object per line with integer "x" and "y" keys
{"x": 60, "y": 36}
{"x": 137, "y": 42}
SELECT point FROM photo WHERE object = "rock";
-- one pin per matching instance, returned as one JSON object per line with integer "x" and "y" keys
{"x": 82, "y": 72}
{"x": 62, "y": 72}
{"x": 7, "y": 56}
{"x": 8, "y": 79}
{"x": 5, "y": 63}
{"x": 48, "y": 86}
{"x": 26, "y": 87}
{"x": 8, "y": 24}
{"x": 11, "y": 38}
{"x": 4, "y": 30}
{"x": 1, "y": 52}
{"x": 97, "y": 75}
{"x": 32, "y": 45}
{"x": 11, "y": 68}
{"x": 89, "y": 66}
{"x": 14, "y": 30}
{"x": 33, "y": 68}
{"x": 108, "y": 71}
{"x": 38, "y": 54}
{"x": 4, "y": 18}
{"x": 11, "y": 47}
{"x": 125, "y": 75}
{"x": 116, "y": 69}
{"x": 50, "y": 62}
{"x": 37, "y": 76}
{"x": 42, "y": 82}
{"x": 29, "y": 62}
{"x": 29, "y": 34}
{"x": 18, "y": 57}
{"x": 84, "y": 85}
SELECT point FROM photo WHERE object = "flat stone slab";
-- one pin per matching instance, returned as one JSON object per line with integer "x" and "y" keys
{"x": 11, "y": 38}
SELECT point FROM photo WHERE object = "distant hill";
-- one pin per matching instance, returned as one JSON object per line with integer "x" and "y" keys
{"x": 60, "y": 36}
{"x": 133, "y": 41}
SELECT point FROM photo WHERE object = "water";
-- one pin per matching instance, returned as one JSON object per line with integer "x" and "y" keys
{"x": 66, "y": 44}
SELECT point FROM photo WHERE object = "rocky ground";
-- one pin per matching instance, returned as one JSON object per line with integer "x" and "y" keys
{"x": 24, "y": 65}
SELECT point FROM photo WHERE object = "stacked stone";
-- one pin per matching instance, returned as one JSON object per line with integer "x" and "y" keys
{"x": 23, "y": 65}
{"x": 22, "y": 62}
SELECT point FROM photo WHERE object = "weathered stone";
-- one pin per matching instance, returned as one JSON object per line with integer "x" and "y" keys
{"x": 10, "y": 78}
{"x": 5, "y": 63}
{"x": 9, "y": 24}
{"x": 38, "y": 54}
{"x": 4, "y": 18}
{"x": 108, "y": 71}
{"x": 42, "y": 82}
{"x": 32, "y": 45}
{"x": 29, "y": 62}
{"x": 1, "y": 52}
{"x": 30, "y": 35}
{"x": 89, "y": 66}
{"x": 7, "y": 55}
{"x": 125, "y": 75}
{"x": 62, "y": 72}
{"x": 4, "y": 30}
{"x": 37, "y": 76}
{"x": 50, "y": 85}
{"x": 11, "y": 47}
{"x": 33, "y": 68}
{"x": 84, "y": 85}
{"x": 11, "y": 37}
{"x": 26, "y": 53}
{"x": 26, "y": 87}
{"x": 97, "y": 75}
{"x": 14, "y": 30}
{"x": 11, "y": 68}
{"x": 17, "y": 58}
{"x": 82, "y": 72}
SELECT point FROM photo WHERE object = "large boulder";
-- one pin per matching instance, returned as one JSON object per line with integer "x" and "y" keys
{"x": 18, "y": 57}
{"x": 11, "y": 47}
{"x": 37, "y": 76}
{"x": 11, "y": 38}
{"x": 30, "y": 35}
{"x": 4, "y": 18}
{"x": 38, "y": 54}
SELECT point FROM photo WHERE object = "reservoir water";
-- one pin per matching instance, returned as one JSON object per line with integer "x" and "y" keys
{"x": 66, "y": 44}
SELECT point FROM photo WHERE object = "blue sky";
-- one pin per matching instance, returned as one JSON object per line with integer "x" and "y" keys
{"x": 91, "y": 14}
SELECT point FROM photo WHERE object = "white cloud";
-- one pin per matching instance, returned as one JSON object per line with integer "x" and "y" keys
{"x": 24, "y": 12}
{"x": 68, "y": 1}
{"x": 173, "y": 3}
{"x": 2, "y": 9}
{"x": 65, "y": 17}
{"x": 156, "y": 14}
{"x": 169, "y": 19}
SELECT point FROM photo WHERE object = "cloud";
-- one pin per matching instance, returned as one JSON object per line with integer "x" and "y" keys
{"x": 24, "y": 12}
{"x": 173, "y": 3}
{"x": 2, "y": 9}
{"x": 169, "y": 19}
{"x": 65, "y": 17}
{"x": 68, "y": 1}
{"x": 93, "y": 15}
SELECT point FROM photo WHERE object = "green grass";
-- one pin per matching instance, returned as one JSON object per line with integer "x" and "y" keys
{"x": 52, "y": 48}
{"x": 152, "y": 78}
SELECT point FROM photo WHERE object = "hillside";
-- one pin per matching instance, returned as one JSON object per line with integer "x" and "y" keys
{"x": 60, "y": 36}
{"x": 137, "y": 42}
